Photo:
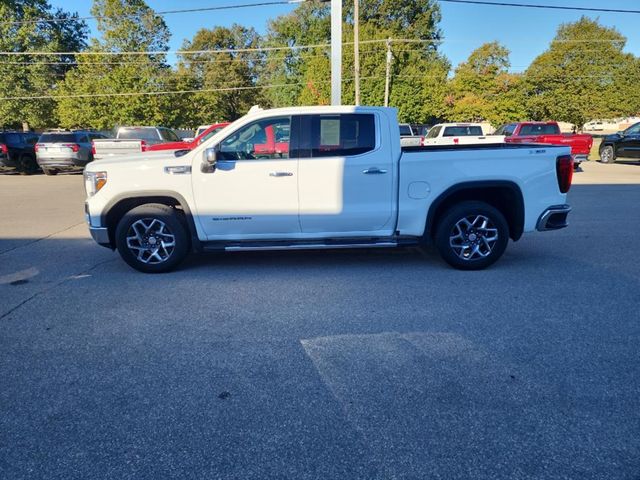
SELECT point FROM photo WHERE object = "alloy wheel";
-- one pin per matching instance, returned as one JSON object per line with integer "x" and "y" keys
{"x": 473, "y": 237}
{"x": 151, "y": 241}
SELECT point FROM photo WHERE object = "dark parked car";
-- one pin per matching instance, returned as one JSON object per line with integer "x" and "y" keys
{"x": 17, "y": 152}
{"x": 622, "y": 144}
{"x": 65, "y": 151}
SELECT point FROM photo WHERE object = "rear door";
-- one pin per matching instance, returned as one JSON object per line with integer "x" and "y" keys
{"x": 346, "y": 177}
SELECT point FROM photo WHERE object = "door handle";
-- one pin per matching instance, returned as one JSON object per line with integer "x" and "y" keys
{"x": 374, "y": 171}
{"x": 281, "y": 174}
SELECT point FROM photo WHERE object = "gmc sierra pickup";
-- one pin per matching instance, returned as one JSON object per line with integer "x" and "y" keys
{"x": 336, "y": 177}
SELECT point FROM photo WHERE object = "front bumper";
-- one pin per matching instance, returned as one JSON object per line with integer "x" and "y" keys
{"x": 101, "y": 236}
{"x": 553, "y": 218}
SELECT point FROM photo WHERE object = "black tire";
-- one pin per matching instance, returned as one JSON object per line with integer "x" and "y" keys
{"x": 458, "y": 247}
{"x": 28, "y": 165}
{"x": 607, "y": 154}
{"x": 135, "y": 244}
{"x": 49, "y": 171}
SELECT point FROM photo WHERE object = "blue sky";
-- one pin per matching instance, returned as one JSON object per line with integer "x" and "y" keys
{"x": 526, "y": 32}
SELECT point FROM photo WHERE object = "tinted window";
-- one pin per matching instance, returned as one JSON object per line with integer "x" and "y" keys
{"x": 433, "y": 133}
{"x": 405, "y": 131}
{"x": 508, "y": 130}
{"x": 58, "y": 138}
{"x": 342, "y": 135}
{"x": 82, "y": 138}
{"x": 138, "y": 134}
{"x": 169, "y": 135}
{"x": 268, "y": 138}
{"x": 10, "y": 138}
{"x": 463, "y": 131}
{"x": 633, "y": 130}
{"x": 539, "y": 130}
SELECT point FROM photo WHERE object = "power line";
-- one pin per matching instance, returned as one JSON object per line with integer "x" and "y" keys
{"x": 552, "y": 7}
{"x": 161, "y": 13}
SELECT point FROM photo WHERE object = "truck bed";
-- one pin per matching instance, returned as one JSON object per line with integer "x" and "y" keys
{"x": 479, "y": 146}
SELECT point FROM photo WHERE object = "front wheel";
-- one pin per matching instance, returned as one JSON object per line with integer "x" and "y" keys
{"x": 472, "y": 235}
{"x": 607, "y": 155}
{"x": 152, "y": 238}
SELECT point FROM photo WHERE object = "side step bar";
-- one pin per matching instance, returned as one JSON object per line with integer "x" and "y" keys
{"x": 328, "y": 244}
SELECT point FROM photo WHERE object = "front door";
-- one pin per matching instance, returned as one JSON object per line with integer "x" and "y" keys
{"x": 346, "y": 177}
{"x": 253, "y": 191}
{"x": 630, "y": 144}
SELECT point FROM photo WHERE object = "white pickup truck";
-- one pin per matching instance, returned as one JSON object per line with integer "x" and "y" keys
{"x": 322, "y": 178}
{"x": 130, "y": 140}
{"x": 459, "y": 134}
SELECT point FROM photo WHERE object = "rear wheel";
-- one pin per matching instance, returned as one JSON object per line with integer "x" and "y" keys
{"x": 152, "y": 238}
{"x": 28, "y": 165}
{"x": 607, "y": 155}
{"x": 472, "y": 235}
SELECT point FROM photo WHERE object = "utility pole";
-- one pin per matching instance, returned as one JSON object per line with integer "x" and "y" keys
{"x": 388, "y": 75}
{"x": 356, "y": 47}
{"x": 336, "y": 52}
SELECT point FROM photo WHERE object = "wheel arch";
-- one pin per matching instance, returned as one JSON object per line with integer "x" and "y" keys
{"x": 119, "y": 205}
{"x": 504, "y": 195}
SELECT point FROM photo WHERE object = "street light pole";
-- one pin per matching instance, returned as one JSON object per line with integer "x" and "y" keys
{"x": 387, "y": 80}
{"x": 336, "y": 52}
{"x": 356, "y": 47}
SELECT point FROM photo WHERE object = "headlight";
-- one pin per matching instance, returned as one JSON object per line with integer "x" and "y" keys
{"x": 94, "y": 181}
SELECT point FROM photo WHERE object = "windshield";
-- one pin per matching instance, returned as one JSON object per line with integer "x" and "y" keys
{"x": 57, "y": 137}
{"x": 463, "y": 131}
{"x": 138, "y": 134}
{"x": 542, "y": 129}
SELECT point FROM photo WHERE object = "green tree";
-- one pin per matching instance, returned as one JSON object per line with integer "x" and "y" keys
{"x": 583, "y": 75}
{"x": 483, "y": 89}
{"x": 226, "y": 69}
{"x": 22, "y": 30}
{"x": 418, "y": 71}
{"x": 126, "y": 26}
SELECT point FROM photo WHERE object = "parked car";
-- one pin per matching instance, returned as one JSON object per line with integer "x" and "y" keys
{"x": 548, "y": 133}
{"x": 622, "y": 144}
{"x": 130, "y": 140}
{"x": 200, "y": 130}
{"x": 333, "y": 177}
{"x": 459, "y": 134}
{"x": 189, "y": 145}
{"x": 67, "y": 151}
{"x": 408, "y": 138}
{"x": 17, "y": 151}
{"x": 421, "y": 129}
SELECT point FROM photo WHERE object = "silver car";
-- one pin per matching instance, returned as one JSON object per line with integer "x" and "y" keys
{"x": 65, "y": 151}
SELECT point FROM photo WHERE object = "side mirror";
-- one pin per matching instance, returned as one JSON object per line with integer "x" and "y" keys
{"x": 620, "y": 133}
{"x": 210, "y": 157}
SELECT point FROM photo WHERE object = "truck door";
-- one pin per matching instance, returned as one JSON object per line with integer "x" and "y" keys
{"x": 253, "y": 191}
{"x": 346, "y": 176}
{"x": 630, "y": 143}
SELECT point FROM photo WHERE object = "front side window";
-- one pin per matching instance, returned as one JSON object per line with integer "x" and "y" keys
{"x": 263, "y": 139}
{"x": 342, "y": 135}
{"x": 433, "y": 133}
{"x": 633, "y": 130}
{"x": 169, "y": 135}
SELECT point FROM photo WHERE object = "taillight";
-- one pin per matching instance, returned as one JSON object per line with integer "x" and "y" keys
{"x": 93, "y": 148}
{"x": 73, "y": 146}
{"x": 3, "y": 148}
{"x": 422, "y": 141}
{"x": 564, "y": 172}
{"x": 37, "y": 147}
{"x": 143, "y": 146}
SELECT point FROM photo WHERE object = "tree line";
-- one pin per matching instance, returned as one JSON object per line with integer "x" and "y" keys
{"x": 583, "y": 74}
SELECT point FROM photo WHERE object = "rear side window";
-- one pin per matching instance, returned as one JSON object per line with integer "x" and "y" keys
{"x": 138, "y": 134}
{"x": 337, "y": 135}
{"x": 57, "y": 138}
{"x": 539, "y": 130}
{"x": 463, "y": 131}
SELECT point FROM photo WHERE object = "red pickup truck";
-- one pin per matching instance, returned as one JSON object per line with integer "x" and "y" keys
{"x": 213, "y": 129}
{"x": 547, "y": 133}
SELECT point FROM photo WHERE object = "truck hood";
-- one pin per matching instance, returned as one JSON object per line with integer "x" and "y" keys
{"x": 137, "y": 159}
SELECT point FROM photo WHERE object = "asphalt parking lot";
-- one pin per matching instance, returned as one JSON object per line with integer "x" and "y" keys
{"x": 352, "y": 364}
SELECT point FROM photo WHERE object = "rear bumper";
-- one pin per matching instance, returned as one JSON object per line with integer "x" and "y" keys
{"x": 580, "y": 157}
{"x": 553, "y": 218}
{"x": 62, "y": 163}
